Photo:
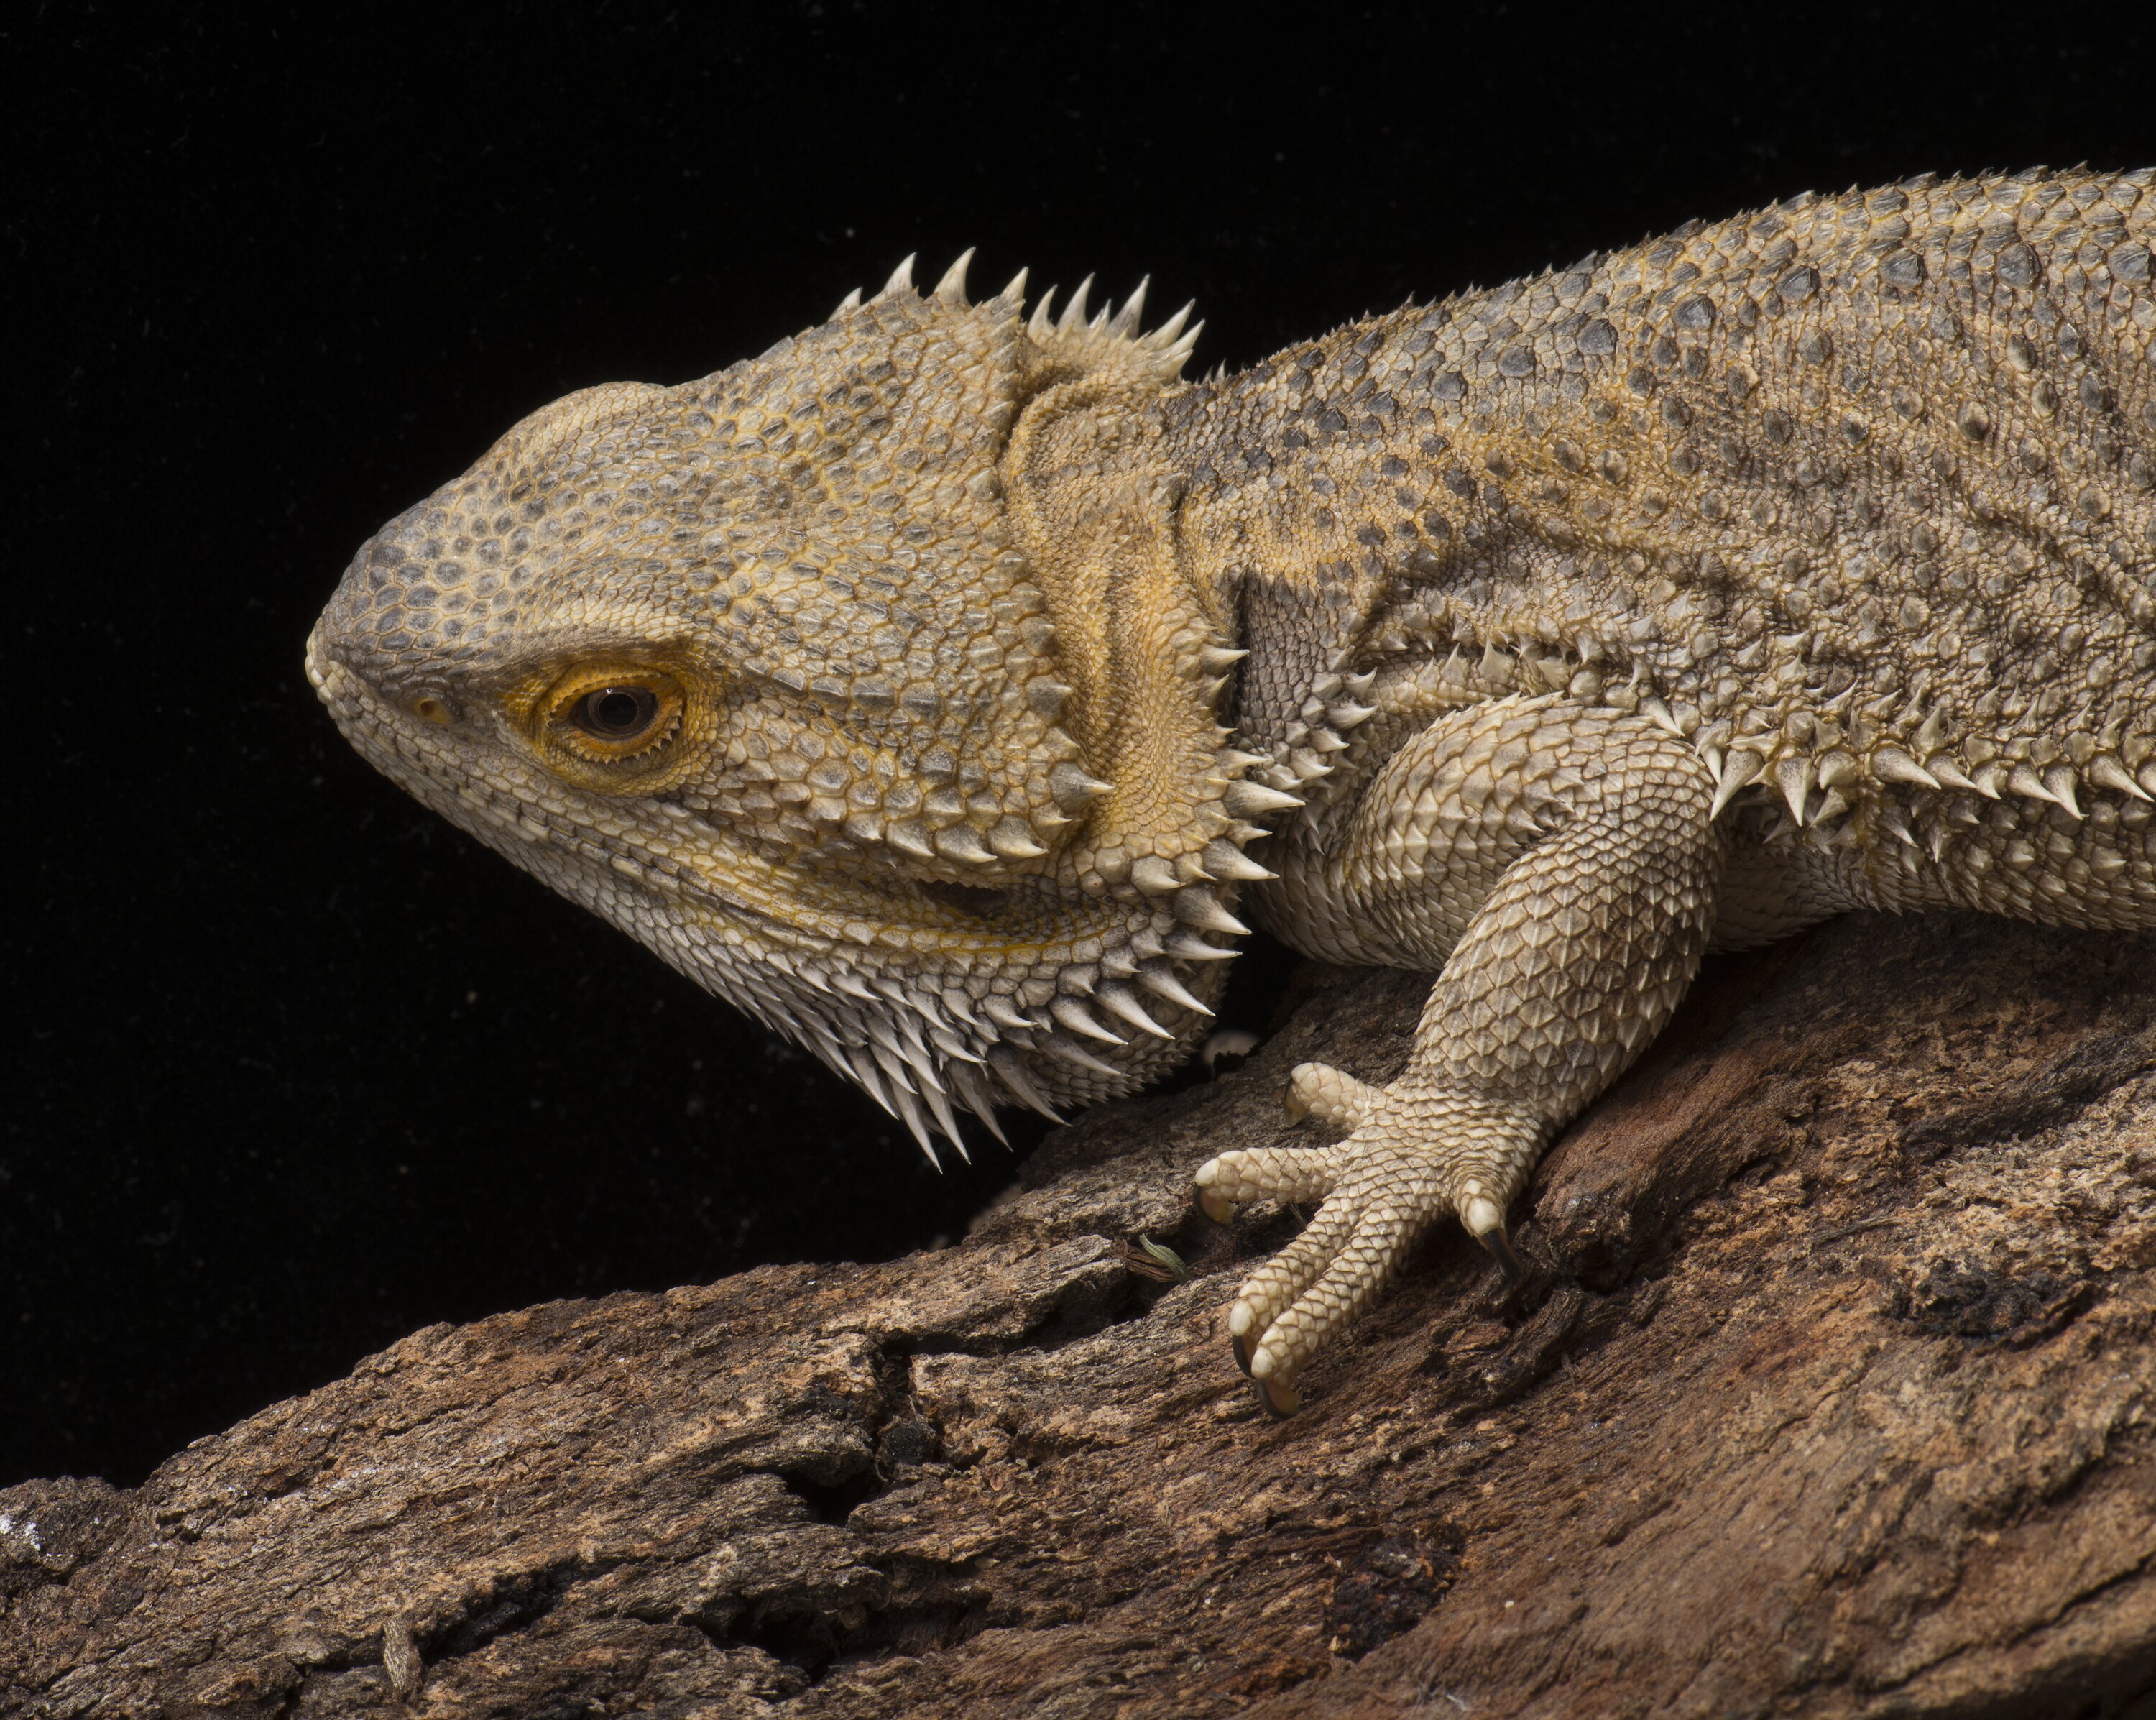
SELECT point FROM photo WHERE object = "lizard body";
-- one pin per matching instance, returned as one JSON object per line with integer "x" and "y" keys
{"x": 939, "y": 687}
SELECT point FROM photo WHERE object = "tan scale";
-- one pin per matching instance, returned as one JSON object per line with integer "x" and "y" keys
{"x": 934, "y": 685}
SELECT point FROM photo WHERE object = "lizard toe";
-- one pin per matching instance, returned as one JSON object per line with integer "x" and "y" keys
{"x": 1331, "y": 1096}
{"x": 1359, "y": 1269}
{"x": 1282, "y": 1173}
{"x": 1276, "y": 1284}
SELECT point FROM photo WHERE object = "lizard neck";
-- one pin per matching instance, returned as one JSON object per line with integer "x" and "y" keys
{"x": 1091, "y": 499}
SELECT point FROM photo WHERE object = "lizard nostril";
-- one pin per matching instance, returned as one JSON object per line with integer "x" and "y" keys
{"x": 433, "y": 709}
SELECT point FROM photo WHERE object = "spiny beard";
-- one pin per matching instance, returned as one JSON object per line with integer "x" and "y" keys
{"x": 925, "y": 1050}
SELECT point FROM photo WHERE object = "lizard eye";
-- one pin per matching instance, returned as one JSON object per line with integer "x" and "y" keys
{"x": 622, "y": 718}
{"x": 616, "y": 714}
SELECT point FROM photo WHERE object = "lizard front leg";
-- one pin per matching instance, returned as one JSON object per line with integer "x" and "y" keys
{"x": 1560, "y": 864}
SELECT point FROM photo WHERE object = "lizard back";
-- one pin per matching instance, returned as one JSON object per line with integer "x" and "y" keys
{"x": 1863, "y": 475}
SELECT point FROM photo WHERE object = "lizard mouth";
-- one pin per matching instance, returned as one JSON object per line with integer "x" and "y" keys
{"x": 920, "y": 994}
{"x": 675, "y": 851}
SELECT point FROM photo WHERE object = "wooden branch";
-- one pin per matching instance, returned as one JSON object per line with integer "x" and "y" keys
{"x": 1827, "y": 1394}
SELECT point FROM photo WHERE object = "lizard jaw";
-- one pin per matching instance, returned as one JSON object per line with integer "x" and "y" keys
{"x": 924, "y": 1013}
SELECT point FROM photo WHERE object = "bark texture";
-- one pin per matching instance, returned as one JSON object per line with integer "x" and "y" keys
{"x": 1827, "y": 1394}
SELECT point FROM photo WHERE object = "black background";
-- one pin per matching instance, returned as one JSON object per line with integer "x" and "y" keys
{"x": 295, "y": 1067}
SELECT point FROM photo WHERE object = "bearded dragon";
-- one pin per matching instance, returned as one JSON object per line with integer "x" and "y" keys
{"x": 940, "y": 687}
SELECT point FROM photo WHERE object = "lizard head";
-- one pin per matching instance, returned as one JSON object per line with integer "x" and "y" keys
{"x": 802, "y": 674}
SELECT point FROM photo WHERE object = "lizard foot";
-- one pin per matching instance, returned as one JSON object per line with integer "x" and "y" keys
{"x": 1414, "y": 1155}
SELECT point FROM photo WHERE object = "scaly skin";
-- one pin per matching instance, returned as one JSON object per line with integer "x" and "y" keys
{"x": 1679, "y": 598}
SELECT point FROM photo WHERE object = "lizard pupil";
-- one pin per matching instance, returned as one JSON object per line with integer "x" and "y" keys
{"x": 615, "y": 713}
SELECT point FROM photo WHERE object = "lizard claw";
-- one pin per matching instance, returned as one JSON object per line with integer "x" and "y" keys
{"x": 1216, "y": 1206}
{"x": 1281, "y": 1399}
{"x": 1261, "y": 1369}
{"x": 1485, "y": 1223}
